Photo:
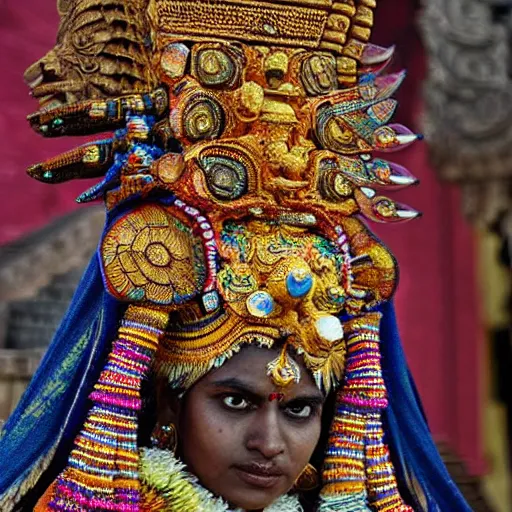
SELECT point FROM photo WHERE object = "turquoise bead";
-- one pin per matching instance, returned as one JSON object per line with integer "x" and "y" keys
{"x": 299, "y": 283}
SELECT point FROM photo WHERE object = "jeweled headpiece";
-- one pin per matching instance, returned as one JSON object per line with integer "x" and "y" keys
{"x": 236, "y": 183}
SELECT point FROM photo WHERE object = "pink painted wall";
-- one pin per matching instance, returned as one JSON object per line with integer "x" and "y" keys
{"x": 438, "y": 309}
{"x": 27, "y": 31}
{"x": 437, "y": 300}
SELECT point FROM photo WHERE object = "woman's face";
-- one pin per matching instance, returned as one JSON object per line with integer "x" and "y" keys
{"x": 239, "y": 440}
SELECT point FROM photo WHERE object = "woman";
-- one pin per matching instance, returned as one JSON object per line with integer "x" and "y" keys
{"x": 240, "y": 435}
{"x": 232, "y": 344}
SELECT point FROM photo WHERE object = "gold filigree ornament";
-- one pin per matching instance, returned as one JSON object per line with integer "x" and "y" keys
{"x": 100, "y": 53}
{"x": 327, "y": 363}
{"x": 259, "y": 118}
{"x": 283, "y": 370}
{"x": 150, "y": 255}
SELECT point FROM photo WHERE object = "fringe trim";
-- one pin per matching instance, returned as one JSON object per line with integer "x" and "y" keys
{"x": 13, "y": 495}
{"x": 184, "y": 375}
{"x": 344, "y": 503}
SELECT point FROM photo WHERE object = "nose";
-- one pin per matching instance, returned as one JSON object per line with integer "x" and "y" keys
{"x": 265, "y": 434}
{"x": 47, "y": 66}
{"x": 33, "y": 73}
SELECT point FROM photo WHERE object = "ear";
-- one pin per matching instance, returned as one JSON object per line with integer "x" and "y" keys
{"x": 168, "y": 403}
{"x": 63, "y": 7}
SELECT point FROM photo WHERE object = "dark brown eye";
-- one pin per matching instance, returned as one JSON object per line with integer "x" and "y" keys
{"x": 235, "y": 402}
{"x": 299, "y": 411}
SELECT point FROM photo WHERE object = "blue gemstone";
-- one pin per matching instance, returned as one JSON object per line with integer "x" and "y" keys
{"x": 299, "y": 283}
{"x": 211, "y": 301}
{"x": 260, "y": 304}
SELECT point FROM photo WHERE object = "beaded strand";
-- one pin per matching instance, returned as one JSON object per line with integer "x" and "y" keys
{"x": 357, "y": 462}
{"x": 102, "y": 472}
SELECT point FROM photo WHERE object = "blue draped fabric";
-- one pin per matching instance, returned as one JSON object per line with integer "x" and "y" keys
{"x": 54, "y": 404}
{"x": 419, "y": 467}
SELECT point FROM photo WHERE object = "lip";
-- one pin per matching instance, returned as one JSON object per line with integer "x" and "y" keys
{"x": 259, "y": 475}
{"x": 55, "y": 87}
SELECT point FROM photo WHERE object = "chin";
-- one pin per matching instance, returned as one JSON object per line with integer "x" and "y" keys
{"x": 251, "y": 499}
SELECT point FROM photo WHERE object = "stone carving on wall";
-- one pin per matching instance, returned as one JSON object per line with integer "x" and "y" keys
{"x": 468, "y": 93}
{"x": 31, "y": 263}
{"x": 38, "y": 276}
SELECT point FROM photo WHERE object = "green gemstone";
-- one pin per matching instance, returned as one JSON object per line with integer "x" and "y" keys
{"x": 48, "y": 175}
{"x": 57, "y": 122}
{"x": 136, "y": 294}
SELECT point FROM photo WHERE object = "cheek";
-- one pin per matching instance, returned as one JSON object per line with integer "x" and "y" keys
{"x": 207, "y": 440}
{"x": 302, "y": 442}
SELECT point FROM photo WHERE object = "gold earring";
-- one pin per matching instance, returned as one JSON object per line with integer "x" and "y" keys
{"x": 165, "y": 437}
{"x": 308, "y": 479}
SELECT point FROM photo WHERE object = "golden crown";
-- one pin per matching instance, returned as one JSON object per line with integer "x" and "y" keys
{"x": 248, "y": 167}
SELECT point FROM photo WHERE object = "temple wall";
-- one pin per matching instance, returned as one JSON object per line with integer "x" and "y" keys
{"x": 16, "y": 369}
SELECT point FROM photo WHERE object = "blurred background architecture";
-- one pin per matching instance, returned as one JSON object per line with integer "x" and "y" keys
{"x": 453, "y": 302}
{"x": 468, "y": 123}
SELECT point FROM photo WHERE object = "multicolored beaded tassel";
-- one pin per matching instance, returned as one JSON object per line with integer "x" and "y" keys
{"x": 102, "y": 471}
{"x": 358, "y": 474}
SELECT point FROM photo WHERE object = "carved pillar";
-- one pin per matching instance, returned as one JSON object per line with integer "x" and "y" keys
{"x": 468, "y": 95}
{"x": 468, "y": 123}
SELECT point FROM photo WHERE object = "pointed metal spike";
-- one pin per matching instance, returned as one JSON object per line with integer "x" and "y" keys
{"x": 389, "y": 174}
{"x": 368, "y": 192}
{"x": 408, "y": 214}
{"x": 374, "y": 54}
{"x": 407, "y": 139}
{"x": 82, "y": 199}
{"x": 387, "y": 210}
{"x": 93, "y": 193}
{"x": 403, "y": 181}
{"x": 393, "y": 137}
{"x": 387, "y": 85}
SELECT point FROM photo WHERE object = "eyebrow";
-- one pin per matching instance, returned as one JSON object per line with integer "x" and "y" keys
{"x": 243, "y": 387}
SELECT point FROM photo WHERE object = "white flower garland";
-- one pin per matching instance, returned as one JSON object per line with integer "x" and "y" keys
{"x": 167, "y": 475}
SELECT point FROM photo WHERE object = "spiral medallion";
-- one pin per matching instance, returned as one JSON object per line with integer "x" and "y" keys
{"x": 151, "y": 255}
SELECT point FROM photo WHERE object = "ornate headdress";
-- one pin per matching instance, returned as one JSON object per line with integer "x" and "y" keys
{"x": 235, "y": 185}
